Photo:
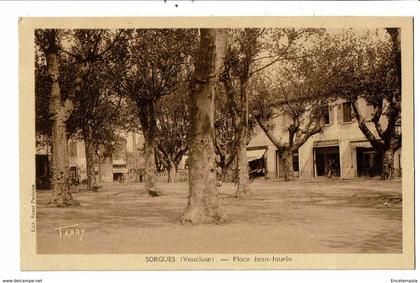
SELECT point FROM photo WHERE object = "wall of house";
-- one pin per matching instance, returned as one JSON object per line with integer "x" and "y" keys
{"x": 77, "y": 157}
{"x": 105, "y": 169}
{"x": 347, "y": 135}
{"x": 128, "y": 153}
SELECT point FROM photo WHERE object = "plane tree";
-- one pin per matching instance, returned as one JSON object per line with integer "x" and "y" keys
{"x": 370, "y": 71}
{"x": 100, "y": 108}
{"x": 250, "y": 51}
{"x": 296, "y": 94}
{"x": 67, "y": 56}
{"x": 227, "y": 135}
{"x": 172, "y": 130}
{"x": 158, "y": 65}
{"x": 291, "y": 101}
{"x": 203, "y": 205}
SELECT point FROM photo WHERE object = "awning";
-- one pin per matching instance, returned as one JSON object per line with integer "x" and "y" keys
{"x": 119, "y": 162}
{"x": 255, "y": 154}
{"x": 326, "y": 143}
{"x": 119, "y": 170}
{"x": 364, "y": 144}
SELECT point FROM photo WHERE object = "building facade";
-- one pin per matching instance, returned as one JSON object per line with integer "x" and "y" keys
{"x": 341, "y": 147}
{"x": 125, "y": 164}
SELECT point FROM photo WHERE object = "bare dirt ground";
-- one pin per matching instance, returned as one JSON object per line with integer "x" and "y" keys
{"x": 313, "y": 216}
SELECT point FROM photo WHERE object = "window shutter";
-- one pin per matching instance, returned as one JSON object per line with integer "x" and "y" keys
{"x": 73, "y": 149}
{"x": 369, "y": 110}
{"x": 340, "y": 113}
{"x": 331, "y": 114}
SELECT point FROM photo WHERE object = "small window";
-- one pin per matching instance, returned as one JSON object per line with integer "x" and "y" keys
{"x": 325, "y": 118}
{"x": 295, "y": 161}
{"x": 347, "y": 112}
{"x": 73, "y": 149}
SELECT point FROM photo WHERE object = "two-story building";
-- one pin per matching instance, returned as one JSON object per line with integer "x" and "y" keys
{"x": 341, "y": 145}
{"x": 125, "y": 164}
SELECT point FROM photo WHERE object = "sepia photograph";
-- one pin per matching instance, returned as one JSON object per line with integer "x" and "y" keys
{"x": 227, "y": 145}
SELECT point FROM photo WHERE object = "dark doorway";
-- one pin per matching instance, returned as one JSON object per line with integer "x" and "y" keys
{"x": 296, "y": 161}
{"x": 118, "y": 177}
{"x": 74, "y": 176}
{"x": 42, "y": 168}
{"x": 368, "y": 162}
{"x": 327, "y": 161}
{"x": 257, "y": 168}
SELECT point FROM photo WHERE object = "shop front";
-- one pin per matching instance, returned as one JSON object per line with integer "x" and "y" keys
{"x": 327, "y": 158}
{"x": 368, "y": 162}
{"x": 257, "y": 161}
{"x": 119, "y": 170}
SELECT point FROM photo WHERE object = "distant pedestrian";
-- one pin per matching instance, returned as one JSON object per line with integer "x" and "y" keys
{"x": 219, "y": 176}
{"x": 329, "y": 169}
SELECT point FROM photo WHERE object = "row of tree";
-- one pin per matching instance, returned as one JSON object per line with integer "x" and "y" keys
{"x": 202, "y": 92}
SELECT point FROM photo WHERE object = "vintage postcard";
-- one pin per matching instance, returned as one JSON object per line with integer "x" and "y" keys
{"x": 184, "y": 143}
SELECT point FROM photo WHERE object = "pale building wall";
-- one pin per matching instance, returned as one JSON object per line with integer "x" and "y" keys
{"x": 306, "y": 165}
{"x": 271, "y": 161}
{"x": 106, "y": 169}
{"x": 345, "y": 132}
{"x": 79, "y": 160}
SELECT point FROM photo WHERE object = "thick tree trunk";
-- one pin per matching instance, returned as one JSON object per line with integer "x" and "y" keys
{"x": 221, "y": 175}
{"x": 99, "y": 170}
{"x": 90, "y": 157}
{"x": 61, "y": 195}
{"x": 148, "y": 125}
{"x": 388, "y": 164}
{"x": 171, "y": 172}
{"x": 203, "y": 204}
{"x": 287, "y": 158}
{"x": 150, "y": 165}
{"x": 243, "y": 189}
{"x": 224, "y": 173}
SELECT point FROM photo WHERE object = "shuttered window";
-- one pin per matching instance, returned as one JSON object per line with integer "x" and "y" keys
{"x": 347, "y": 112}
{"x": 331, "y": 114}
{"x": 325, "y": 115}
